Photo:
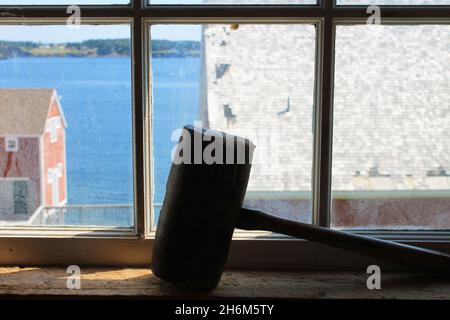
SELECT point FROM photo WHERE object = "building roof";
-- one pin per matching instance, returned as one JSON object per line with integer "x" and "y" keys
{"x": 25, "y": 111}
{"x": 391, "y": 107}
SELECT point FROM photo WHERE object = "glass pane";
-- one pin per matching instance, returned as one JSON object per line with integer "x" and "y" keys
{"x": 391, "y": 164}
{"x": 231, "y": 2}
{"x": 66, "y": 126}
{"x": 393, "y": 2}
{"x": 61, "y": 2}
{"x": 255, "y": 81}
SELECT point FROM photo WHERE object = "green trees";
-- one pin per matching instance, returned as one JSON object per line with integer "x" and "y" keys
{"x": 166, "y": 48}
{"x": 97, "y": 48}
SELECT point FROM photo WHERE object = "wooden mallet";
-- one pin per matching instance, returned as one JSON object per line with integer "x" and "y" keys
{"x": 203, "y": 206}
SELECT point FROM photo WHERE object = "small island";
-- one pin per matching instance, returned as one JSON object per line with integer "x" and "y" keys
{"x": 97, "y": 48}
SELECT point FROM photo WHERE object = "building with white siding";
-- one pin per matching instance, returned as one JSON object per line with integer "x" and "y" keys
{"x": 391, "y": 118}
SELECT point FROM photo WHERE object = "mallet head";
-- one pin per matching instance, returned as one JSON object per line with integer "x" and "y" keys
{"x": 201, "y": 207}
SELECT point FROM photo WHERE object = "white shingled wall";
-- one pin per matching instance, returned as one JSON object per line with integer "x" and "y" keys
{"x": 268, "y": 64}
{"x": 392, "y": 102}
{"x": 392, "y": 105}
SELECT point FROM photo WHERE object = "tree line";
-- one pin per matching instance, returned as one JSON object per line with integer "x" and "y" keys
{"x": 96, "y": 48}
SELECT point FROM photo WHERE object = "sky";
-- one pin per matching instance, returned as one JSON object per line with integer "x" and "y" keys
{"x": 61, "y": 33}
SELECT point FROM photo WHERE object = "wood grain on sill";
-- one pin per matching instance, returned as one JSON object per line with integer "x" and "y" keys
{"x": 109, "y": 282}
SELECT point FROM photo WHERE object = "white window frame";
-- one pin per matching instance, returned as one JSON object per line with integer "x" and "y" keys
{"x": 53, "y": 180}
{"x": 8, "y": 140}
{"x": 106, "y": 246}
{"x": 53, "y": 125}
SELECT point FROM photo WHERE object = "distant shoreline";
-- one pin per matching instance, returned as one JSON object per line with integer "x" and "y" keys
{"x": 96, "y": 49}
{"x": 94, "y": 57}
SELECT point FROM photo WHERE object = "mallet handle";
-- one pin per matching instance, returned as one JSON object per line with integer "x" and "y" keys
{"x": 420, "y": 258}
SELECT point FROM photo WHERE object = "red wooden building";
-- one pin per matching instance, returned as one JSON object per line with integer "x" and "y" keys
{"x": 32, "y": 153}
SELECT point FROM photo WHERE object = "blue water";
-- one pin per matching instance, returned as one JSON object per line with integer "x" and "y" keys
{"x": 96, "y": 100}
{"x": 176, "y": 92}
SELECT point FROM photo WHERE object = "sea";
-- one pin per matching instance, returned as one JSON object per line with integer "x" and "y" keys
{"x": 95, "y": 95}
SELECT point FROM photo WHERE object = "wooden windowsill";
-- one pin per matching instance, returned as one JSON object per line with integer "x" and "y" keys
{"x": 113, "y": 282}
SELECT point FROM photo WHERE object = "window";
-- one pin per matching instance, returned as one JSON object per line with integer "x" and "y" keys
{"x": 308, "y": 81}
{"x": 232, "y": 2}
{"x": 15, "y": 194}
{"x": 68, "y": 93}
{"x": 12, "y": 144}
{"x": 53, "y": 125}
{"x": 54, "y": 175}
{"x": 20, "y": 197}
{"x": 62, "y": 2}
{"x": 245, "y": 87}
{"x": 391, "y": 127}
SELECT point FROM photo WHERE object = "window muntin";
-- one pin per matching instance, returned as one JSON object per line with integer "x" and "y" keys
{"x": 62, "y": 2}
{"x": 391, "y": 128}
{"x": 255, "y": 81}
{"x": 53, "y": 125}
{"x": 79, "y": 159}
{"x": 20, "y": 197}
{"x": 232, "y": 2}
{"x": 11, "y": 144}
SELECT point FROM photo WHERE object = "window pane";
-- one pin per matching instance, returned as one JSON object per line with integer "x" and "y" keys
{"x": 255, "y": 81}
{"x": 393, "y": 2}
{"x": 391, "y": 164}
{"x": 65, "y": 101}
{"x": 231, "y": 2}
